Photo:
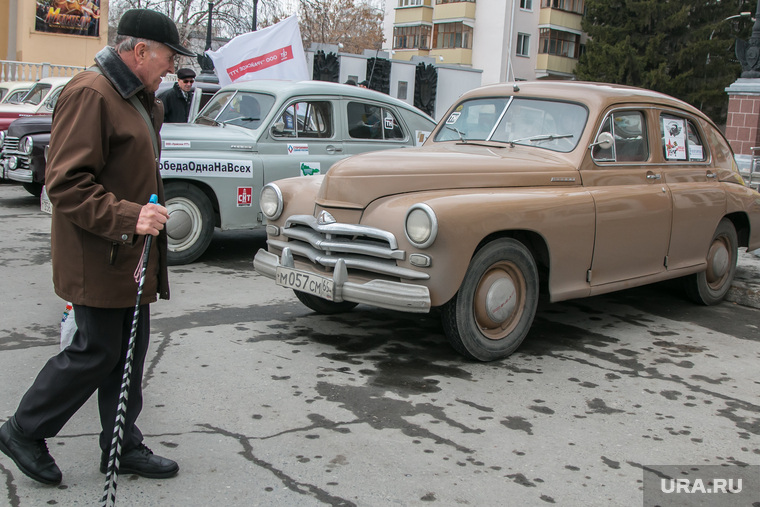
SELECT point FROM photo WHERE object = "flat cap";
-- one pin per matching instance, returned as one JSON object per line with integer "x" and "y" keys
{"x": 185, "y": 73}
{"x": 152, "y": 25}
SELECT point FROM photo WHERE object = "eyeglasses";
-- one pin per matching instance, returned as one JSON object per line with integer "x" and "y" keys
{"x": 188, "y": 80}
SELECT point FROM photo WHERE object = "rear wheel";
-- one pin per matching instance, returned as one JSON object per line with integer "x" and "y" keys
{"x": 710, "y": 286}
{"x": 324, "y": 306}
{"x": 493, "y": 310}
{"x": 191, "y": 222}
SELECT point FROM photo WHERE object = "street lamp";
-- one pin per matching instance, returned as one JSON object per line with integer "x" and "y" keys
{"x": 740, "y": 15}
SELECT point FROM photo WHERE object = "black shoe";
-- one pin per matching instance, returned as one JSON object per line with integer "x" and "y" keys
{"x": 141, "y": 461}
{"x": 30, "y": 456}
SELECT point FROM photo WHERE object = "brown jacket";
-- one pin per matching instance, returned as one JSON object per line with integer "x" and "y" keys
{"x": 101, "y": 169}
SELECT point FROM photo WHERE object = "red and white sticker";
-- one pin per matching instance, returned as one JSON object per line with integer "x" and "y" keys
{"x": 244, "y": 197}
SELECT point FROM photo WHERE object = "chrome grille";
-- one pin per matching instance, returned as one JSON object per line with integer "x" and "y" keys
{"x": 10, "y": 144}
{"x": 360, "y": 247}
{"x": 11, "y": 148}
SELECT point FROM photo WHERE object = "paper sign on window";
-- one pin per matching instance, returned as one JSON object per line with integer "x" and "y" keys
{"x": 675, "y": 139}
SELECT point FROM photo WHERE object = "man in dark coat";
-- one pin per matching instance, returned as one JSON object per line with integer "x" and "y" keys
{"x": 177, "y": 98}
{"x": 102, "y": 168}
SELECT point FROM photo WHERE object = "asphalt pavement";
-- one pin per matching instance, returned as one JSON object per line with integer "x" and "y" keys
{"x": 264, "y": 403}
{"x": 746, "y": 287}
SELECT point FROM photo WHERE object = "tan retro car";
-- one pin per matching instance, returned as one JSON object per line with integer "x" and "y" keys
{"x": 571, "y": 188}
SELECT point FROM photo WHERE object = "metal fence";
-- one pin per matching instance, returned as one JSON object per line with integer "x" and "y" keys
{"x": 27, "y": 71}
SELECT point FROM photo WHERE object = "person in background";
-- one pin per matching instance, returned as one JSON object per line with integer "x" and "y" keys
{"x": 177, "y": 98}
{"x": 103, "y": 165}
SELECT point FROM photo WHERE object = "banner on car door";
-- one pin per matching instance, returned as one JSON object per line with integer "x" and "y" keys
{"x": 206, "y": 167}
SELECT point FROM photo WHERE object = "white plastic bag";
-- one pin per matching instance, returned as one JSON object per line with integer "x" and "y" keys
{"x": 68, "y": 326}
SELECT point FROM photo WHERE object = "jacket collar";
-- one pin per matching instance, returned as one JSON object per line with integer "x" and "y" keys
{"x": 117, "y": 72}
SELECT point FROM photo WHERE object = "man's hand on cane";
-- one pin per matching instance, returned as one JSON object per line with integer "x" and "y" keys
{"x": 152, "y": 219}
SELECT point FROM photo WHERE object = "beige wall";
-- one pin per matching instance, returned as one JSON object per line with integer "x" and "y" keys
{"x": 4, "y": 27}
{"x": 59, "y": 49}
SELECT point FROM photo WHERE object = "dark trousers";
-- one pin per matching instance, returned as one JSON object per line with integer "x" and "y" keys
{"x": 94, "y": 360}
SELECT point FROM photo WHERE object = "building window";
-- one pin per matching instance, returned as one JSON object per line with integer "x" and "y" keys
{"x": 452, "y": 35}
{"x": 556, "y": 42}
{"x": 452, "y": 1}
{"x": 576, "y": 6}
{"x": 526, "y": 4}
{"x": 523, "y": 44}
{"x": 412, "y": 3}
{"x": 402, "y": 87}
{"x": 411, "y": 37}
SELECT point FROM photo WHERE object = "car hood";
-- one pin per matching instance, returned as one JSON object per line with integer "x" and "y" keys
{"x": 357, "y": 181}
{"x": 30, "y": 125}
{"x": 12, "y": 110}
{"x": 183, "y": 136}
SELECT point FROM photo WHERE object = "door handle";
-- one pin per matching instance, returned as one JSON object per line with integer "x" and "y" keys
{"x": 711, "y": 175}
{"x": 652, "y": 176}
{"x": 333, "y": 149}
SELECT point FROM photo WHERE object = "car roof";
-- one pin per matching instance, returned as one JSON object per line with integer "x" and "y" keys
{"x": 55, "y": 80}
{"x": 599, "y": 95}
{"x": 279, "y": 87}
{"x": 17, "y": 84}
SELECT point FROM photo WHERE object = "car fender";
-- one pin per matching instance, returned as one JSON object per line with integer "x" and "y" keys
{"x": 562, "y": 218}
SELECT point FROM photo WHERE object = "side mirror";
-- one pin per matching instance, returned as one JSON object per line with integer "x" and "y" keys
{"x": 604, "y": 141}
{"x": 278, "y": 127}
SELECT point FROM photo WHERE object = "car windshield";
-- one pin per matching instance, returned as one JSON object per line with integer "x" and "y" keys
{"x": 236, "y": 107}
{"x": 549, "y": 124}
{"x": 36, "y": 94}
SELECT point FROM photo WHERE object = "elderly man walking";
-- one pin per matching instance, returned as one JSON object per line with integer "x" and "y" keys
{"x": 102, "y": 169}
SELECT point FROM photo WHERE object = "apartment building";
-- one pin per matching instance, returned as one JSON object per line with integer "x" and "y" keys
{"x": 508, "y": 39}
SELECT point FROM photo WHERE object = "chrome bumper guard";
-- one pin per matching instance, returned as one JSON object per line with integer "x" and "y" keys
{"x": 381, "y": 293}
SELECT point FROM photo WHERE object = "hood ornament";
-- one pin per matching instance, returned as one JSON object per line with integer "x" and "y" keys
{"x": 325, "y": 218}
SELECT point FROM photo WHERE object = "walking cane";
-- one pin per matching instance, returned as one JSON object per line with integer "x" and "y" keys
{"x": 109, "y": 492}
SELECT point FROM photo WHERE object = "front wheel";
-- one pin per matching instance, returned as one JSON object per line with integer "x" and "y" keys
{"x": 323, "y": 306}
{"x": 493, "y": 310}
{"x": 710, "y": 286}
{"x": 191, "y": 222}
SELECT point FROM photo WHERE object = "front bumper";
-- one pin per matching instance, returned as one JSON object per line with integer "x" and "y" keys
{"x": 381, "y": 293}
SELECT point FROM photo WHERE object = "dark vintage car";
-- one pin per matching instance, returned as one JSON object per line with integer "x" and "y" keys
{"x": 22, "y": 151}
{"x": 23, "y": 145}
{"x": 567, "y": 188}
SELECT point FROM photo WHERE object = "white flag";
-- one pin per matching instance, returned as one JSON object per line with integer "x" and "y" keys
{"x": 275, "y": 52}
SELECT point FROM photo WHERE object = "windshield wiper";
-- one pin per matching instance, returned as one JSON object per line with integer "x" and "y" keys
{"x": 459, "y": 132}
{"x": 540, "y": 137}
{"x": 243, "y": 118}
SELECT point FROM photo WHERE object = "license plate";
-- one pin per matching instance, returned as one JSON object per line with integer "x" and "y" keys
{"x": 45, "y": 204}
{"x": 303, "y": 281}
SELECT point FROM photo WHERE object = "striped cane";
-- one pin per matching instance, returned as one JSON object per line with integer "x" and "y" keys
{"x": 112, "y": 473}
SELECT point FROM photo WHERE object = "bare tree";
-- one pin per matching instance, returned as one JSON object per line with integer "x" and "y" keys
{"x": 357, "y": 24}
{"x": 229, "y": 17}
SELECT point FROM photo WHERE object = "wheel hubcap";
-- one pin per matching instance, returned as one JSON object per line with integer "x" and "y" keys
{"x": 179, "y": 224}
{"x": 718, "y": 262}
{"x": 184, "y": 225}
{"x": 499, "y": 300}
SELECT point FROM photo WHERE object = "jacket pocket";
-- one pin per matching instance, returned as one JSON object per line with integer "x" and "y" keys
{"x": 114, "y": 252}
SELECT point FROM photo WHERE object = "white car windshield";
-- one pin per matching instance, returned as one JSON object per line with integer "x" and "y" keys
{"x": 547, "y": 124}
{"x": 236, "y": 107}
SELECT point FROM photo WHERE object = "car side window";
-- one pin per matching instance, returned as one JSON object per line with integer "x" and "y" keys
{"x": 681, "y": 140}
{"x": 628, "y": 130}
{"x": 308, "y": 119}
{"x": 368, "y": 121}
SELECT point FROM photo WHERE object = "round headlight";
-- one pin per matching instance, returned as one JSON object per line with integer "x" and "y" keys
{"x": 421, "y": 225}
{"x": 271, "y": 201}
{"x": 26, "y": 145}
